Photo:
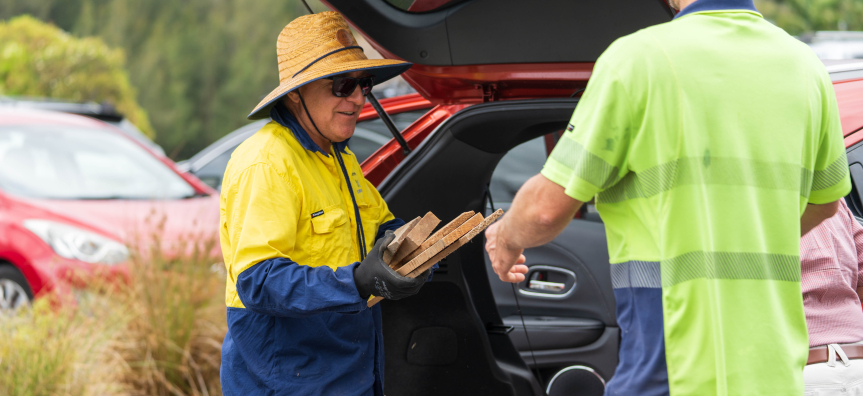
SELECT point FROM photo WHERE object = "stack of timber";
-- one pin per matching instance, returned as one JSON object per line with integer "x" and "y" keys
{"x": 413, "y": 251}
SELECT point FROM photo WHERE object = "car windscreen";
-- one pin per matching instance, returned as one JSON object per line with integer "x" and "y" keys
{"x": 64, "y": 162}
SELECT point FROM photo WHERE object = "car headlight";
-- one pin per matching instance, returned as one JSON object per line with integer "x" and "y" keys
{"x": 74, "y": 243}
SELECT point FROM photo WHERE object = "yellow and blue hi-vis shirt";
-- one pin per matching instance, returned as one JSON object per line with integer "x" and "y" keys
{"x": 703, "y": 139}
{"x": 290, "y": 240}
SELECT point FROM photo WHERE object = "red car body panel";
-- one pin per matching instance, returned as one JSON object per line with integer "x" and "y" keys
{"x": 849, "y": 95}
{"x": 132, "y": 222}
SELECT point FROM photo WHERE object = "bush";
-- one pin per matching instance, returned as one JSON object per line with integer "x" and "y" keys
{"x": 158, "y": 334}
{"x": 38, "y": 59}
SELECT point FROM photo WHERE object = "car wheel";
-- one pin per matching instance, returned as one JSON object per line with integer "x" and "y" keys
{"x": 14, "y": 290}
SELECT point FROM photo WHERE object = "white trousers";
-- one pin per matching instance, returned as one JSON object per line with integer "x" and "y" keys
{"x": 839, "y": 376}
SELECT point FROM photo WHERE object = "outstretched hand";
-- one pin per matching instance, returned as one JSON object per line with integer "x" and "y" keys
{"x": 508, "y": 263}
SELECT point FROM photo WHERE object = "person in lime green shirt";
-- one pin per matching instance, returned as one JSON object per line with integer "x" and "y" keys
{"x": 710, "y": 143}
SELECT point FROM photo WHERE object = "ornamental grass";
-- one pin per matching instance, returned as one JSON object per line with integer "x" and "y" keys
{"x": 158, "y": 333}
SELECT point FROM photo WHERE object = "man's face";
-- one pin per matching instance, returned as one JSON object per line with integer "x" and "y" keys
{"x": 335, "y": 117}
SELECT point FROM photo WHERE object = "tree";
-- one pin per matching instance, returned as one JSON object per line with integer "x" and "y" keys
{"x": 39, "y": 59}
{"x": 807, "y": 16}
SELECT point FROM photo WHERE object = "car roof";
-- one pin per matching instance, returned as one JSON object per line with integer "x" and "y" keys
{"x": 219, "y": 146}
{"x": 19, "y": 116}
{"x": 845, "y": 69}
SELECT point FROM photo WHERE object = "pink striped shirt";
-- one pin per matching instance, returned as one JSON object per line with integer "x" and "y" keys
{"x": 832, "y": 267}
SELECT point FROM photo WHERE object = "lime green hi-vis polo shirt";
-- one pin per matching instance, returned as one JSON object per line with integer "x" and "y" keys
{"x": 703, "y": 139}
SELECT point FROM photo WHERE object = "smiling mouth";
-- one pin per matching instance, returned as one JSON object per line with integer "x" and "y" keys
{"x": 347, "y": 113}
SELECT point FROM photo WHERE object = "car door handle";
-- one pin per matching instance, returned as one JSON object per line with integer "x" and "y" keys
{"x": 546, "y": 286}
{"x": 546, "y": 281}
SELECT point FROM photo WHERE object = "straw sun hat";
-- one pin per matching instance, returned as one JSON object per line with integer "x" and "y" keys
{"x": 317, "y": 46}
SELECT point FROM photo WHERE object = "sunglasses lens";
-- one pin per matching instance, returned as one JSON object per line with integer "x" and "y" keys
{"x": 344, "y": 86}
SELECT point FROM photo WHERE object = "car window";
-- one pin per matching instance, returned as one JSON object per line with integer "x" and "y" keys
{"x": 519, "y": 164}
{"x": 64, "y": 162}
{"x": 370, "y": 135}
{"x": 213, "y": 171}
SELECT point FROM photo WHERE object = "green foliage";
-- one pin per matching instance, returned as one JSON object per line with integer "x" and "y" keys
{"x": 199, "y": 66}
{"x": 46, "y": 351}
{"x": 807, "y": 16}
{"x": 38, "y": 59}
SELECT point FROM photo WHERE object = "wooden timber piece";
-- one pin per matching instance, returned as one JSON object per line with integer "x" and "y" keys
{"x": 461, "y": 241}
{"x": 374, "y": 301}
{"x": 416, "y": 237}
{"x": 450, "y": 227}
{"x": 449, "y": 249}
{"x": 441, "y": 244}
{"x": 401, "y": 234}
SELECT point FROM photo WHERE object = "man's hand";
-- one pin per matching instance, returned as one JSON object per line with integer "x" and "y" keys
{"x": 540, "y": 211}
{"x": 374, "y": 276}
{"x": 508, "y": 263}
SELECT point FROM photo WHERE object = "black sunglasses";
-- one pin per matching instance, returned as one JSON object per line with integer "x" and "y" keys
{"x": 345, "y": 86}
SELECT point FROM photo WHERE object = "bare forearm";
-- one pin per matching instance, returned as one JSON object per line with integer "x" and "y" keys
{"x": 815, "y": 214}
{"x": 539, "y": 212}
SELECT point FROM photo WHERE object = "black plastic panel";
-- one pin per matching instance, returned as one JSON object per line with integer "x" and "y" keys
{"x": 548, "y": 332}
{"x": 503, "y": 31}
{"x": 448, "y": 175}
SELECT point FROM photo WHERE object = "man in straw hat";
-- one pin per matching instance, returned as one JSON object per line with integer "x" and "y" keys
{"x": 299, "y": 224}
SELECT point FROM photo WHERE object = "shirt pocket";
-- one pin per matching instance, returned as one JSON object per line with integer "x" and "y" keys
{"x": 330, "y": 237}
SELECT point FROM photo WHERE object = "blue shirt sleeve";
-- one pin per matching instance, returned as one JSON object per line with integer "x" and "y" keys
{"x": 281, "y": 287}
{"x": 391, "y": 225}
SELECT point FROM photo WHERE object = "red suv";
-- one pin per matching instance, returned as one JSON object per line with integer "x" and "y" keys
{"x": 505, "y": 76}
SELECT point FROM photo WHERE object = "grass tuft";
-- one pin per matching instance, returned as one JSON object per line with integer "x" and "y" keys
{"x": 159, "y": 335}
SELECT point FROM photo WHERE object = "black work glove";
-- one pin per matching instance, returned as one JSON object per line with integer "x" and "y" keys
{"x": 374, "y": 276}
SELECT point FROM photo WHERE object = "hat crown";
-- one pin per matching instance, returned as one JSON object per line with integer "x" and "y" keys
{"x": 310, "y": 37}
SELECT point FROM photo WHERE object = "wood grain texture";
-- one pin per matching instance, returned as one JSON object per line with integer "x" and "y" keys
{"x": 461, "y": 241}
{"x": 400, "y": 234}
{"x": 416, "y": 237}
{"x": 483, "y": 224}
{"x": 450, "y": 227}
{"x": 374, "y": 301}
{"x": 441, "y": 244}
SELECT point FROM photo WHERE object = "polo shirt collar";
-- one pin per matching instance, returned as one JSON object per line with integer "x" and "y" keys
{"x": 280, "y": 114}
{"x": 717, "y": 5}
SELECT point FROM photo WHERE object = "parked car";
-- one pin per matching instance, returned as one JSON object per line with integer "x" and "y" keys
{"x": 76, "y": 194}
{"x": 101, "y": 112}
{"x": 504, "y": 76}
{"x": 371, "y": 133}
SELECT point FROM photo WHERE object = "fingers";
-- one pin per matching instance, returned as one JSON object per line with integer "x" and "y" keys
{"x": 515, "y": 275}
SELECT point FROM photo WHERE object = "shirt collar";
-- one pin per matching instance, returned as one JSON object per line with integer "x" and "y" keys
{"x": 280, "y": 114}
{"x": 716, "y": 5}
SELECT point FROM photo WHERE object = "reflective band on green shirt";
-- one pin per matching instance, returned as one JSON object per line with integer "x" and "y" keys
{"x": 705, "y": 265}
{"x": 730, "y": 265}
{"x": 694, "y": 170}
{"x": 584, "y": 164}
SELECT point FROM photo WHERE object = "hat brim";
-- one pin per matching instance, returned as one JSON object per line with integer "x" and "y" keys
{"x": 381, "y": 69}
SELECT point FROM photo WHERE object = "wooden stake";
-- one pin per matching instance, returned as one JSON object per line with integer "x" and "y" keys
{"x": 401, "y": 234}
{"x": 449, "y": 249}
{"x": 461, "y": 241}
{"x": 450, "y": 227}
{"x": 416, "y": 237}
{"x": 440, "y": 245}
